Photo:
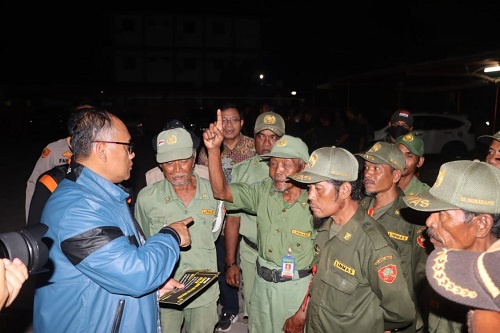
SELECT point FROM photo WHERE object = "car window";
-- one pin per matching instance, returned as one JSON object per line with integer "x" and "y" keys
{"x": 435, "y": 123}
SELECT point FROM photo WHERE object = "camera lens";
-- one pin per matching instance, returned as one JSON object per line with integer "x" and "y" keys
{"x": 26, "y": 245}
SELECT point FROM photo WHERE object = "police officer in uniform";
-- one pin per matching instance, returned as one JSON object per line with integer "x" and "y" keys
{"x": 358, "y": 285}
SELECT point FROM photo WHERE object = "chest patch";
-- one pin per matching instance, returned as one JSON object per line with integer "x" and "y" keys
{"x": 301, "y": 233}
{"x": 343, "y": 267}
{"x": 208, "y": 211}
{"x": 398, "y": 236}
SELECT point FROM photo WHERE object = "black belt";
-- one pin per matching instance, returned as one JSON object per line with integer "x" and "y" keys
{"x": 250, "y": 243}
{"x": 274, "y": 275}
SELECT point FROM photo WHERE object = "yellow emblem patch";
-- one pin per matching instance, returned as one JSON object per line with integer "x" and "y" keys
{"x": 439, "y": 179}
{"x": 376, "y": 147}
{"x": 208, "y": 211}
{"x": 397, "y": 236}
{"x": 172, "y": 140}
{"x": 408, "y": 137}
{"x": 312, "y": 161}
{"x": 344, "y": 267}
{"x": 347, "y": 236}
{"x": 270, "y": 120}
{"x": 301, "y": 233}
{"x": 282, "y": 142}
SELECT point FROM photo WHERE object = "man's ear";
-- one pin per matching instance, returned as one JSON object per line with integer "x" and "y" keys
{"x": 421, "y": 161}
{"x": 484, "y": 223}
{"x": 396, "y": 175}
{"x": 68, "y": 140}
{"x": 100, "y": 151}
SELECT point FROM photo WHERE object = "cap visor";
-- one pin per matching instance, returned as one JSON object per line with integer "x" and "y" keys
{"x": 281, "y": 155}
{"x": 426, "y": 202}
{"x": 374, "y": 159}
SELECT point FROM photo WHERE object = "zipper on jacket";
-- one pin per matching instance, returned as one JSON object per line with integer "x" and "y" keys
{"x": 118, "y": 317}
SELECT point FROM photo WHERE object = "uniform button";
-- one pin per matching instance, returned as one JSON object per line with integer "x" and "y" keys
{"x": 277, "y": 230}
{"x": 283, "y": 210}
{"x": 297, "y": 245}
{"x": 204, "y": 222}
{"x": 270, "y": 251}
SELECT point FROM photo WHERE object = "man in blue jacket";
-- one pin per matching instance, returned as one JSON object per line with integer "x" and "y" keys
{"x": 105, "y": 277}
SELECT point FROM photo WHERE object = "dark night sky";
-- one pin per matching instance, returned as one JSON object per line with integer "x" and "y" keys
{"x": 302, "y": 42}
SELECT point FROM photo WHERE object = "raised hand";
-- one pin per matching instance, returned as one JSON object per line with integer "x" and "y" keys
{"x": 212, "y": 136}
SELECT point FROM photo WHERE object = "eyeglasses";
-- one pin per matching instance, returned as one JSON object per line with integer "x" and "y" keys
{"x": 231, "y": 120}
{"x": 130, "y": 145}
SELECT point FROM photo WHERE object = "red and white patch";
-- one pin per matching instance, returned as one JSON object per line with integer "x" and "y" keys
{"x": 421, "y": 240}
{"x": 388, "y": 273}
{"x": 46, "y": 152}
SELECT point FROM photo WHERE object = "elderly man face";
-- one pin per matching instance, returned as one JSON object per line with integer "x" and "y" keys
{"x": 452, "y": 229}
{"x": 179, "y": 172}
{"x": 493, "y": 156}
{"x": 280, "y": 168}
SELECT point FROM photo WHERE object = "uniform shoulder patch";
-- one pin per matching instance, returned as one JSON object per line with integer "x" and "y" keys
{"x": 388, "y": 273}
{"x": 46, "y": 152}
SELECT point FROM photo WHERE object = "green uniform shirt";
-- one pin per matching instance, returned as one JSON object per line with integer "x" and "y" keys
{"x": 416, "y": 186}
{"x": 158, "y": 205}
{"x": 359, "y": 285}
{"x": 280, "y": 226}
{"x": 251, "y": 171}
{"x": 410, "y": 241}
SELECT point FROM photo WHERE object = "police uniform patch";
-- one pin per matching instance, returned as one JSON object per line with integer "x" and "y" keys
{"x": 421, "y": 240}
{"x": 208, "y": 211}
{"x": 46, "y": 152}
{"x": 382, "y": 259}
{"x": 388, "y": 273}
{"x": 397, "y": 236}
{"x": 301, "y": 233}
{"x": 344, "y": 267}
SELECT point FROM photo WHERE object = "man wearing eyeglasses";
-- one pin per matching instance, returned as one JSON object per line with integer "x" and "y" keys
{"x": 106, "y": 276}
{"x": 235, "y": 148}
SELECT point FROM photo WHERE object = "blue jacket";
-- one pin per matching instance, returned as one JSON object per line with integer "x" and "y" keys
{"x": 103, "y": 277}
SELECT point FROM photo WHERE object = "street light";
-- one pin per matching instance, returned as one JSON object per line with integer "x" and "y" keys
{"x": 492, "y": 69}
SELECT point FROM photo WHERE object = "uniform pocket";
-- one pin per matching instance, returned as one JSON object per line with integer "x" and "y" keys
{"x": 337, "y": 295}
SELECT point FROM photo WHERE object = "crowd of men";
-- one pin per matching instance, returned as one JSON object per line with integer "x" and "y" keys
{"x": 329, "y": 241}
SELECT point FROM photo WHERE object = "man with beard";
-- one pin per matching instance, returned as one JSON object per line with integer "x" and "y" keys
{"x": 285, "y": 233}
{"x": 401, "y": 123}
{"x": 358, "y": 285}
{"x": 269, "y": 128}
{"x": 183, "y": 194}
{"x": 465, "y": 215}
{"x": 384, "y": 164}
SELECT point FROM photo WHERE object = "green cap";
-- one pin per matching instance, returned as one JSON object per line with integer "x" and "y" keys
{"x": 173, "y": 144}
{"x": 467, "y": 185}
{"x": 289, "y": 147}
{"x": 487, "y": 138}
{"x": 329, "y": 163}
{"x": 413, "y": 143}
{"x": 385, "y": 153}
{"x": 270, "y": 121}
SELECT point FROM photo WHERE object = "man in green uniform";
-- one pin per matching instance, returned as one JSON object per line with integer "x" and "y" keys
{"x": 285, "y": 233}
{"x": 465, "y": 215}
{"x": 269, "y": 128}
{"x": 412, "y": 148}
{"x": 384, "y": 164}
{"x": 358, "y": 285}
{"x": 180, "y": 195}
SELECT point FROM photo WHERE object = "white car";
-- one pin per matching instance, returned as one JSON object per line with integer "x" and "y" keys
{"x": 445, "y": 134}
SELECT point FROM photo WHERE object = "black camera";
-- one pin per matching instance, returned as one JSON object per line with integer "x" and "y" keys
{"x": 26, "y": 245}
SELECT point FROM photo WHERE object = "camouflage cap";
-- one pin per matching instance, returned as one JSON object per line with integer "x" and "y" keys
{"x": 486, "y": 139}
{"x": 384, "y": 153}
{"x": 467, "y": 185}
{"x": 271, "y": 121}
{"x": 329, "y": 163}
{"x": 412, "y": 142}
{"x": 173, "y": 144}
{"x": 289, "y": 147}
{"x": 467, "y": 277}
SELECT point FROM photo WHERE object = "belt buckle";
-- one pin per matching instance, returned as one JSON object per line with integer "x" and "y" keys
{"x": 267, "y": 274}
